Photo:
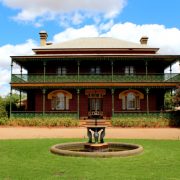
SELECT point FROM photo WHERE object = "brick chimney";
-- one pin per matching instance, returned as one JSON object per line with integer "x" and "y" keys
{"x": 43, "y": 37}
{"x": 144, "y": 40}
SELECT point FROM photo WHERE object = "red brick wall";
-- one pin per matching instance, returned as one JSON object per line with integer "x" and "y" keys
{"x": 30, "y": 100}
{"x": 83, "y": 103}
{"x": 35, "y": 98}
{"x": 107, "y": 104}
{"x": 117, "y": 101}
{"x": 39, "y": 101}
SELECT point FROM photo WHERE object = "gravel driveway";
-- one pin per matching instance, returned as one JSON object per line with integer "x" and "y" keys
{"x": 80, "y": 132}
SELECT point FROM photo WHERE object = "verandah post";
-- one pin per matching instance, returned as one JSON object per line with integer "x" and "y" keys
{"x": 78, "y": 91}
{"x": 44, "y": 71}
{"x": 78, "y": 64}
{"x": 112, "y": 93}
{"x": 20, "y": 93}
{"x": 147, "y": 100}
{"x": 146, "y": 64}
{"x": 112, "y": 71}
{"x": 44, "y": 101}
{"x": 10, "y": 103}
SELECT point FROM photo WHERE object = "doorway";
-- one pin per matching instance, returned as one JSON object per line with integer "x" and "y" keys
{"x": 95, "y": 107}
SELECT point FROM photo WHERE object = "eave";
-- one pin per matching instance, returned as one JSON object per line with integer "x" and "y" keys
{"x": 92, "y": 50}
{"x": 98, "y": 55}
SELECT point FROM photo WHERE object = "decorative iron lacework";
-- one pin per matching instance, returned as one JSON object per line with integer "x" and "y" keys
{"x": 25, "y": 78}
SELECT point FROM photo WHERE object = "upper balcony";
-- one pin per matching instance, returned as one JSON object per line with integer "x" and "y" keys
{"x": 95, "y": 78}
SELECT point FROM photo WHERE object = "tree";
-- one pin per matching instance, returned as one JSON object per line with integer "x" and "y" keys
{"x": 14, "y": 101}
{"x": 3, "y": 112}
{"x": 176, "y": 98}
{"x": 168, "y": 100}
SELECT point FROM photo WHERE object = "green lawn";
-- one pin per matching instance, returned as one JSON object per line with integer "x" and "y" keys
{"x": 31, "y": 159}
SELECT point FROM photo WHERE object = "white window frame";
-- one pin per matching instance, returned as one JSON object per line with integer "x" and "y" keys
{"x": 129, "y": 70}
{"x": 61, "y": 71}
{"x": 60, "y": 102}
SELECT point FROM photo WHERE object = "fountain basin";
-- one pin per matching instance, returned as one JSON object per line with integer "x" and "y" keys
{"x": 115, "y": 149}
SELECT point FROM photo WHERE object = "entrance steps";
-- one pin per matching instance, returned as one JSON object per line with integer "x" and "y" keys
{"x": 90, "y": 122}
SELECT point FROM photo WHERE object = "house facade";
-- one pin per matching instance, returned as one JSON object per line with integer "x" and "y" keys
{"x": 93, "y": 77}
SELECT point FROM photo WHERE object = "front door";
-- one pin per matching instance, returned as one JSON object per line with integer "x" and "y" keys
{"x": 95, "y": 107}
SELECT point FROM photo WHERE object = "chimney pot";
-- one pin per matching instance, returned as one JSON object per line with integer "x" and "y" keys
{"x": 144, "y": 40}
{"x": 43, "y": 37}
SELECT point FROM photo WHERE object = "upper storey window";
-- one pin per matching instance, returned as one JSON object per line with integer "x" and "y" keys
{"x": 95, "y": 70}
{"x": 61, "y": 70}
{"x": 129, "y": 70}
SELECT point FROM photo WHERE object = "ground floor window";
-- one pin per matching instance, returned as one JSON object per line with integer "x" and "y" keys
{"x": 131, "y": 99}
{"x": 60, "y": 99}
{"x": 60, "y": 102}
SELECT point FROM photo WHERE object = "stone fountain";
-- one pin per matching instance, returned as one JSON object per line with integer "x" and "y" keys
{"x": 97, "y": 147}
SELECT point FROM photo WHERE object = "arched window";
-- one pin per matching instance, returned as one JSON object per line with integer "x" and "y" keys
{"x": 131, "y": 99}
{"x": 60, "y": 99}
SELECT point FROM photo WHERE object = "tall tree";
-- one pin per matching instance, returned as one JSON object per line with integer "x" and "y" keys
{"x": 3, "y": 112}
{"x": 176, "y": 98}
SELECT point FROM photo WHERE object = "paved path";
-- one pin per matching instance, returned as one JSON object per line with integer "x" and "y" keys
{"x": 80, "y": 132}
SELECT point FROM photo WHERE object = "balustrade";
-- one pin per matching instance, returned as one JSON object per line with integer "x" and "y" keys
{"x": 54, "y": 78}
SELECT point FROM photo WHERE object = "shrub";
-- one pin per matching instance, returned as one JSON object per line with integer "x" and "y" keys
{"x": 3, "y": 121}
{"x": 144, "y": 121}
{"x": 40, "y": 122}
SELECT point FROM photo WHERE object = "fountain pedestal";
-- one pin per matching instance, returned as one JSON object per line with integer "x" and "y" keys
{"x": 101, "y": 147}
{"x": 96, "y": 128}
{"x": 99, "y": 133}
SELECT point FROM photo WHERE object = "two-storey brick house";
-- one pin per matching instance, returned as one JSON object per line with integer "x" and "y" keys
{"x": 99, "y": 76}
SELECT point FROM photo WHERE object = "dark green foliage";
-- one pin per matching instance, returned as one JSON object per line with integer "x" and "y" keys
{"x": 176, "y": 98}
{"x": 168, "y": 101}
{"x": 5, "y": 104}
{"x": 3, "y": 112}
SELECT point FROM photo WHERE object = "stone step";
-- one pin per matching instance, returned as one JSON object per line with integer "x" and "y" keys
{"x": 90, "y": 122}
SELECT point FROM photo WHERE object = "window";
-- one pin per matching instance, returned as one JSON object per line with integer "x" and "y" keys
{"x": 60, "y": 102}
{"x": 61, "y": 71}
{"x": 95, "y": 70}
{"x": 131, "y": 99}
{"x": 129, "y": 70}
{"x": 60, "y": 99}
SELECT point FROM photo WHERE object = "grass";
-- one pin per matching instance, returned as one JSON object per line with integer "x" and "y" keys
{"x": 31, "y": 159}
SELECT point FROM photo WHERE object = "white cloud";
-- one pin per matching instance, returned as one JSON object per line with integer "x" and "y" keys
{"x": 35, "y": 10}
{"x": 10, "y": 50}
{"x": 4, "y": 82}
{"x": 77, "y": 18}
{"x": 5, "y": 62}
{"x": 106, "y": 26}
{"x": 168, "y": 39}
{"x": 72, "y": 33}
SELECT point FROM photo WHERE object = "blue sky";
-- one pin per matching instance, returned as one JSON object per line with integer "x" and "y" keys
{"x": 21, "y": 21}
{"x": 136, "y": 11}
